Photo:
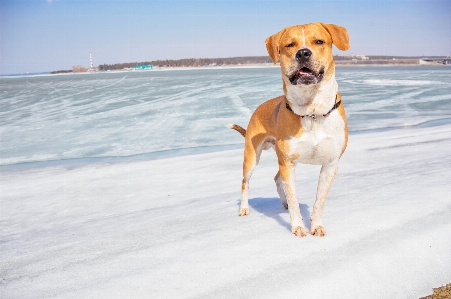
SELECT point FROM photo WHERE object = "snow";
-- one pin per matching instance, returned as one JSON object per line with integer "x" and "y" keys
{"x": 169, "y": 228}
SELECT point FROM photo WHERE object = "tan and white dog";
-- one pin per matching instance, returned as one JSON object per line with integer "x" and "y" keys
{"x": 307, "y": 124}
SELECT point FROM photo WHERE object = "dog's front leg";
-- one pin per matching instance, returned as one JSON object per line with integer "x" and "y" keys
{"x": 288, "y": 175}
{"x": 326, "y": 178}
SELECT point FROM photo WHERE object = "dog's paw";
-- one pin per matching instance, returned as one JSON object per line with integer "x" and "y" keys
{"x": 299, "y": 231}
{"x": 318, "y": 231}
{"x": 244, "y": 211}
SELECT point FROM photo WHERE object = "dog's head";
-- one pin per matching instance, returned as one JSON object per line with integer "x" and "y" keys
{"x": 305, "y": 51}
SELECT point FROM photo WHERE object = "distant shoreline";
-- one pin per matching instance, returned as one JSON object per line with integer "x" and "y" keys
{"x": 258, "y": 65}
{"x": 265, "y": 65}
{"x": 256, "y": 61}
{"x": 403, "y": 62}
{"x": 379, "y": 62}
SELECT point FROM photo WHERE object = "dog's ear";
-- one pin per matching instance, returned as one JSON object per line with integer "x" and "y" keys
{"x": 339, "y": 35}
{"x": 272, "y": 45}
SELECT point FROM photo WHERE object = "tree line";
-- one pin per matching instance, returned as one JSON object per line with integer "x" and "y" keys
{"x": 190, "y": 62}
{"x": 201, "y": 62}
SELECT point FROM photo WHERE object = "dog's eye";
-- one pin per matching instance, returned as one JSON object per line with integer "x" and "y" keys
{"x": 319, "y": 42}
{"x": 290, "y": 45}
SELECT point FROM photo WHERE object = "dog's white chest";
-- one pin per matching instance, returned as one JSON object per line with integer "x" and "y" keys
{"x": 322, "y": 141}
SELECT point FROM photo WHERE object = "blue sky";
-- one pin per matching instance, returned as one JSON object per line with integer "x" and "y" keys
{"x": 44, "y": 35}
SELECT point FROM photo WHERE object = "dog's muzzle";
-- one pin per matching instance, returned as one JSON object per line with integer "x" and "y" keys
{"x": 305, "y": 73}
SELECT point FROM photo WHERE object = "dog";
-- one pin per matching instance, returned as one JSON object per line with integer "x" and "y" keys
{"x": 307, "y": 124}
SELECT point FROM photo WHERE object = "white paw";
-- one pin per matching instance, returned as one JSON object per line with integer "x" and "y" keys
{"x": 317, "y": 228}
{"x": 318, "y": 231}
{"x": 244, "y": 211}
{"x": 299, "y": 231}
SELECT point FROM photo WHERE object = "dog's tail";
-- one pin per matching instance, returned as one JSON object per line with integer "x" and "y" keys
{"x": 238, "y": 128}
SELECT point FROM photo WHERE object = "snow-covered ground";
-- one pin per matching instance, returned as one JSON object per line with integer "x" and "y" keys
{"x": 170, "y": 228}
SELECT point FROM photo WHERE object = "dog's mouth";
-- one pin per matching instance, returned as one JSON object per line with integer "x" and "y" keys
{"x": 306, "y": 76}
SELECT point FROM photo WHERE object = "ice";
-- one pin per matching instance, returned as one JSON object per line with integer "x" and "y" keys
{"x": 398, "y": 83}
{"x": 127, "y": 185}
{"x": 124, "y": 114}
{"x": 169, "y": 228}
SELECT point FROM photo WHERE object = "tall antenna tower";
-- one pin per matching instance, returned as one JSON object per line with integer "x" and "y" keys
{"x": 90, "y": 60}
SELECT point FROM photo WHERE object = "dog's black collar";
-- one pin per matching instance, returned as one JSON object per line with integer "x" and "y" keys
{"x": 337, "y": 104}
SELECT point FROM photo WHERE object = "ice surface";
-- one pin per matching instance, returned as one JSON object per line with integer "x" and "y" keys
{"x": 53, "y": 118}
{"x": 169, "y": 228}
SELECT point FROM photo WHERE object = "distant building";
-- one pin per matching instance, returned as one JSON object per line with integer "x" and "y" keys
{"x": 91, "y": 66}
{"x": 358, "y": 57}
{"x": 143, "y": 67}
{"x": 425, "y": 61}
{"x": 363, "y": 57}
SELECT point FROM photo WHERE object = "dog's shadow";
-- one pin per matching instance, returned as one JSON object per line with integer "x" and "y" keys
{"x": 271, "y": 207}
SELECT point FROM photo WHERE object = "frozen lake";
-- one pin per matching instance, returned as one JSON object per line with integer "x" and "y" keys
{"x": 91, "y": 220}
{"x": 157, "y": 113}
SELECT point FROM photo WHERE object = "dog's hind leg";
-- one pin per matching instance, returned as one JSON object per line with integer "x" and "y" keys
{"x": 281, "y": 190}
{"x": 252, "y": 151}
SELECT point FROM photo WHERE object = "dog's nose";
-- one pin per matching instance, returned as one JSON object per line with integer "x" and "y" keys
{"x": 303, "y": 54}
